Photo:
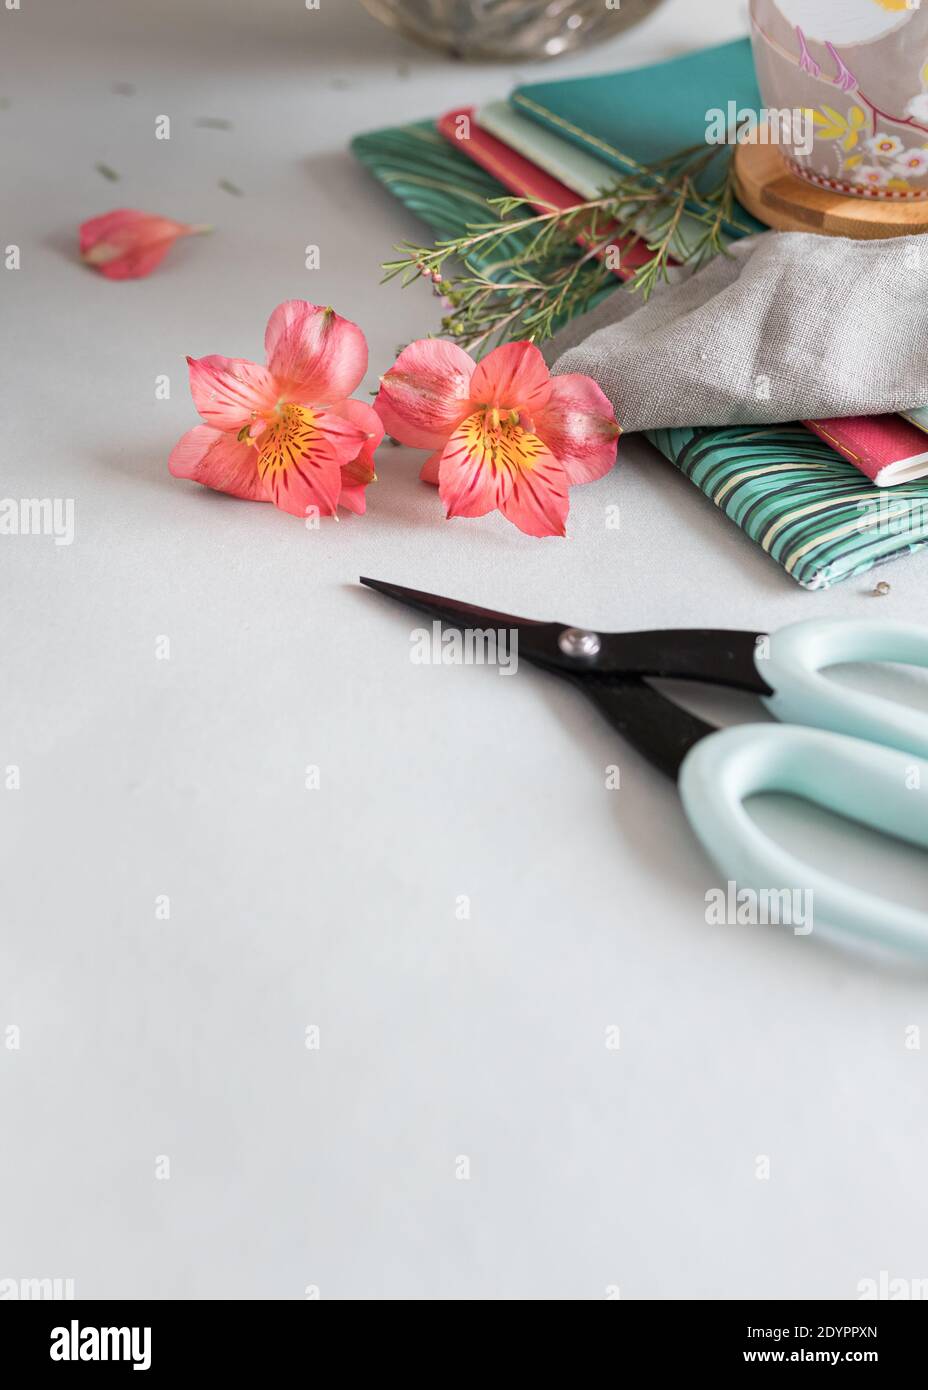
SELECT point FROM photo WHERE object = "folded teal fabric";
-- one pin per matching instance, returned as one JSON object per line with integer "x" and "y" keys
{"x": 641, "y": 116}
{"x": 808, "y": 508}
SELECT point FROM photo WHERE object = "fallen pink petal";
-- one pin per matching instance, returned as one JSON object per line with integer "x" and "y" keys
{"x": 127, "y": 244}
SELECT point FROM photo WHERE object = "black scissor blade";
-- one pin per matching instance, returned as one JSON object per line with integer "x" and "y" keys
{"x": 714, "y": 656}
{"x": 449, "y": 610}
{"x": 612, "y": 679}
{"x": 660, "y": 729}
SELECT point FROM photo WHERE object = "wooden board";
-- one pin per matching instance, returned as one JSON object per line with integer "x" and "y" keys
{"x": 783, "y": 200}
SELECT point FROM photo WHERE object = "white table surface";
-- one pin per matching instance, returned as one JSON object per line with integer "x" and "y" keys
{"x": 486, "y": 1038}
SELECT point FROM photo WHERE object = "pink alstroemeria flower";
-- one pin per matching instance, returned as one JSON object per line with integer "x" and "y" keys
{"x": 126, "y": 244}
{"x": 505, "y": 433}
{"x": 286, "y": 433}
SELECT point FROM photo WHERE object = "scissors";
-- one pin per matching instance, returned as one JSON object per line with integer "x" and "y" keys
{"x": 861, "y": 756}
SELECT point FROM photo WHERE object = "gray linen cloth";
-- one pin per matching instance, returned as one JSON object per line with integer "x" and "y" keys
{"x": 789, "y": 326}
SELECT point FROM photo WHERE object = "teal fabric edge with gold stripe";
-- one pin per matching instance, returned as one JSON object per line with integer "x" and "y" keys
{"x": 806, "y": 506}
{"x": 813, "y": 512}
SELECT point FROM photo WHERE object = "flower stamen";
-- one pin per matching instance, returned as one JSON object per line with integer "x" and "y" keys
{"x": 286, "y": 444}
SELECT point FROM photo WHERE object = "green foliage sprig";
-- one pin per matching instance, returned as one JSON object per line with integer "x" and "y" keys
{"x": 524, "y": 273}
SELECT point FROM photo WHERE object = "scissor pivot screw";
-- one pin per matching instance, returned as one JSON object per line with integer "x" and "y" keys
{"x": 576, "y": 642}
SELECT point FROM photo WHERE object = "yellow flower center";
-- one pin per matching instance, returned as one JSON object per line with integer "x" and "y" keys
{"x": 284, "y": 444}
{"x": 500, "y": 440}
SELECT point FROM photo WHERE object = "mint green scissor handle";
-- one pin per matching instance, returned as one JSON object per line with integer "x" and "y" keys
{"x": 870, "y": 771}
{"x": 802, "y": 695}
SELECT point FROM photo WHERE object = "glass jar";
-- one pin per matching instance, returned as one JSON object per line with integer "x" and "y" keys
{"x": 509, "y": 30}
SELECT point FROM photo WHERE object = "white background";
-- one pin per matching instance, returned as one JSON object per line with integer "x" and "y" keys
{"x": 336, "y": 907}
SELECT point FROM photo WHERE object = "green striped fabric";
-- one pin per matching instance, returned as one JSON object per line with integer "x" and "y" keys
{"x": 445, "y": 188}
{"x": 812, "y": 511}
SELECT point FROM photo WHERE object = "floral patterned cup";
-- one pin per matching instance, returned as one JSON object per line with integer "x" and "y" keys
{"x": 861, "y": 67}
